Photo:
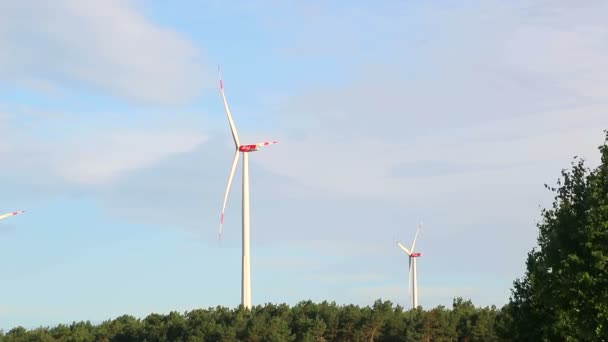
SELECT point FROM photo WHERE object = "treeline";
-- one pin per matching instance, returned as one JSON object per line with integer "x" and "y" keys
{"x": 306, "y": 321}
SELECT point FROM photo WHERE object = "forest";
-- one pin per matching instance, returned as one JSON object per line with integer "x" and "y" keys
{"x": 306, "y": 321}
{"x": 563, "y": 295}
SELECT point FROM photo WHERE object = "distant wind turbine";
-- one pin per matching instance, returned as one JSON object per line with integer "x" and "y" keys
{"x": 412, "y": 272}
{"x": 2, "y": 217}
{"x": 244, "y": 149}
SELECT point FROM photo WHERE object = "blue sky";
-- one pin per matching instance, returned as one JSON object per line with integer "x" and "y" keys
{"x": 115, "y": 141}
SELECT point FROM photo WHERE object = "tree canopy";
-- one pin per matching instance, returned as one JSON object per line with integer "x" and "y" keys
{"x": 304, "y": 322}
{"x": 563, "y": 295}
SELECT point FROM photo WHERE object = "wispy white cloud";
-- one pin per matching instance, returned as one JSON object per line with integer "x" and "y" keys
{"x": 107, "y": 45}
{"x": 102, "y": 158}
{"x": 85, "y": 158}
{"x": 486, "y": 98}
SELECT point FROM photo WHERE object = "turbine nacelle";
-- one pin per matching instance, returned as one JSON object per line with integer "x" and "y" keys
{"x": 255, "y": 147}
{"x": 248, "y": 148}
{"x": 415, "y": 255}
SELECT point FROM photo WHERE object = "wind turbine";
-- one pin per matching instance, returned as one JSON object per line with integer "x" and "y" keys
{"x": 412, "y": 280}
{"x": 2, "y": 217}
{"x": 245, "y": 150}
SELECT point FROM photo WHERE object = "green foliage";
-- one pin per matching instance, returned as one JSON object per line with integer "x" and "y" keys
{"x": 563, "y": 295}
{"x": 305, "y": 322}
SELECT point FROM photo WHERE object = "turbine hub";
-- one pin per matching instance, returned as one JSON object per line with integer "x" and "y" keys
{"x": 415, "y": 255}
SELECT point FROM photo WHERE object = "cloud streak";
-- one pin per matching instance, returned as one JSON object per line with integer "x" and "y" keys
{"x": 103, "y": 158}
{"x": 104, "y": 45}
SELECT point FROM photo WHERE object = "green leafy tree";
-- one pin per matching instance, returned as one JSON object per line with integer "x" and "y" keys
{"x": 306, "y": 322}
{"x": 203, "y": 327}
{"x": 396, "y": 326}
{"x": 80, "y": 332}
{"x": 350, "y": 324}
{"x": 436, "y": 325}
{"x": 484, "y": 326}
{"x": 17, "y": 334}
{"x": 377, "y": 318}
{"x": 464, "y": 317}
{"x": 563, "y": 295}
{"x": 330, "y": 314}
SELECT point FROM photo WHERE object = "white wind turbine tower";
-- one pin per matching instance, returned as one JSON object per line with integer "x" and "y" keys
{"x": 412, "y": 272}
{"x": 4, "y": 216}
{"x": 245, "y": 150}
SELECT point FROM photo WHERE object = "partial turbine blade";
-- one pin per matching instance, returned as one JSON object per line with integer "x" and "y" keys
{"x": 403, "y": 247}
{"x": 416, "y": 237}
{"x": 2, "y": 217}
{"x": 235, "y": 161}
{"x": 235, "y": 135}
{"x": 266, "y": 143}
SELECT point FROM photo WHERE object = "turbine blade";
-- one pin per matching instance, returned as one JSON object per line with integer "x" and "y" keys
{"x": 2, "y": 217}
{"x": 415, "y": 237}
{"x": 403, "y": 248}
{"x": 235, "y": 135}
{"x": 266, "y": 143}
{"x": 235, "y": 161}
